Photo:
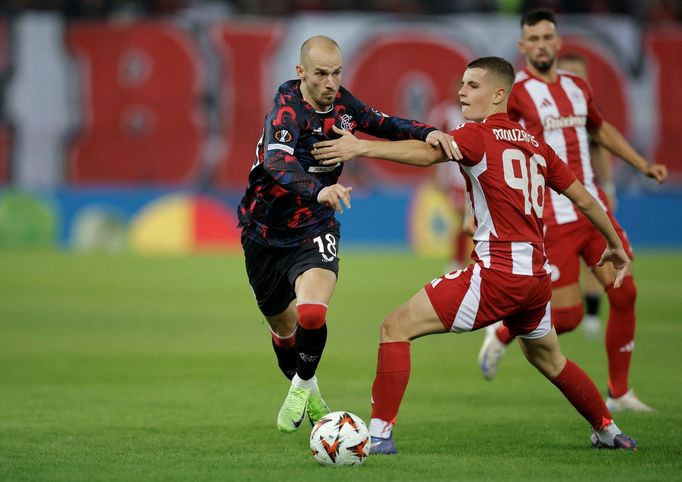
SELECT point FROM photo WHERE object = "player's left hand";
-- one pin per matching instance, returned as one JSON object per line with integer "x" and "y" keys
{"x": 345, "y": 148}
{"x": 335, "y": 196}
{"x": 620, "y": 260}
{"x": 658, "y": 172}
{"x": 446, "y": 142}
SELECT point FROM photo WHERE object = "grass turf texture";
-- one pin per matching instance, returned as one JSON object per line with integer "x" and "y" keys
{"x": 134, "y": 368}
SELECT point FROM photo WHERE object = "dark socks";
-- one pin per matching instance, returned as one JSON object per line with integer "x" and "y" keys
{"x": 309, "y": 347}
{"x": 286, "y": 359}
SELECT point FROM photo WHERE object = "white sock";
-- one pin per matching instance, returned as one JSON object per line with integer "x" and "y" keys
{"x": 608, "y": 433}
{"x": 310, "y": 384}
{"x": 380, "y": 428}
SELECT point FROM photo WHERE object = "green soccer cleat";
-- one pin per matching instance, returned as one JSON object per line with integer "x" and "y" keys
{"x": 293, "y": 409}
{"x": 316, "y": 407}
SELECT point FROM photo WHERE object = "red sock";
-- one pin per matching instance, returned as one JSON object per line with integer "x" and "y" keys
{"x": 285, "y": 342}
{"x": 567, "y": 319}
{"x": 393, "y": 373}
{"x": 620, "y": 334}
{"x": 581, "y": 391}
{"x": 504, "y": 335}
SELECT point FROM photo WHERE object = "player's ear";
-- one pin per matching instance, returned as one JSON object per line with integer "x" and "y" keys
{"x": 499, "y": 95}
{"x": 299, "y": 72}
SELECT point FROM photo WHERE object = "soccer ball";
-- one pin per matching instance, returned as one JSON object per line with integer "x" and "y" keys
{"x": 340, "y": 438}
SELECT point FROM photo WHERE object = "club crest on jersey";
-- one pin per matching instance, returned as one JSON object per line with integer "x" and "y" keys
{"x": 282, "y": 135}
{"x": 346, "y": 122}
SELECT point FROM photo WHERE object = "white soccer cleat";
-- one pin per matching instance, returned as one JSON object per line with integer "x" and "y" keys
{"x": 620, "y": 441}
{"x": 627, "y": 403}
{"x": 591, "y": 327}
{"x": 491, "y": 353}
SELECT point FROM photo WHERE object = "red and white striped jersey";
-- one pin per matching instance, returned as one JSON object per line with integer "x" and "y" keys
{"x": 506, "y": 170}
{"x": 560, "y": 113}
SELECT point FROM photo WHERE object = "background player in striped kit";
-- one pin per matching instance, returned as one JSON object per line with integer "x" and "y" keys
{"x": 559, "y": 108}
{"x": 601, "y": 162}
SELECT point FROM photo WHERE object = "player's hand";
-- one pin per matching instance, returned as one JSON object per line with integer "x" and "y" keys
{"x": 446, "y": 142}
{"x": 345, "y": 148}
{"x": 620, "y": 260}
{"x": 335, "y": 196}
{"x": 658, "y": 172}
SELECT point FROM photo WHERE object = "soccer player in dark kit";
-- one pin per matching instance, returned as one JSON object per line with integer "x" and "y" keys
{"x": 290, "y": 235}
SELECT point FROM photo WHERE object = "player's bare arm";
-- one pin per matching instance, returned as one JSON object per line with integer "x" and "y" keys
{"x": 601, "y": 161}
{"x": 609, "y": 137}
{"x": 589, "y": 206}
{"x": 348, "y": 147}
{"x": 335, "y": 196}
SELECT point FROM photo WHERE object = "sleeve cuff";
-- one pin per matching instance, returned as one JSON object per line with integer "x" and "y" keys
{"x": 427, "y": 131}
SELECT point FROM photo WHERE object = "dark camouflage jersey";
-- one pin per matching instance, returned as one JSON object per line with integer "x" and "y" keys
{"x": 280, "y": 208}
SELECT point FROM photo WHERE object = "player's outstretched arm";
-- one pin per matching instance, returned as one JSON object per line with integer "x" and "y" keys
{"x": 589, "y": 206}
{"x": 348, "y": 147}
{"x": 609, "y": 137}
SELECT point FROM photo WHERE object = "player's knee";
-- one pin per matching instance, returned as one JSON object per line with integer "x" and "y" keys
{"x": 391, "y": 327}
{"x": 311, "y": 316}
{"x": 567, "y": 319}
{"x": 625, "y": 294}
{"x": 549, "y": 364}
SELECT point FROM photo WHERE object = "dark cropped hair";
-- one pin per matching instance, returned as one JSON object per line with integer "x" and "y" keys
{"x": 497, "y": 66}
{"x": 533, "y": 17}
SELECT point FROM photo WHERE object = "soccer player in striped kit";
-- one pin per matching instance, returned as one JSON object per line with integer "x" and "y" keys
{"x": 506, "y": 170}
{"x": 558, "y": 107}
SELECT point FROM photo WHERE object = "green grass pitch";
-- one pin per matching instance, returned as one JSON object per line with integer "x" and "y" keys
{"x": 159, "y": 368}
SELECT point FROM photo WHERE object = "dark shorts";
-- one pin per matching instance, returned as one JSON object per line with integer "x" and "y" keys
{"x": 272, "y": 272}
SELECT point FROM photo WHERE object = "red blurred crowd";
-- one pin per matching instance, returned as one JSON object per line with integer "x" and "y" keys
{"x": 650, "y": 11}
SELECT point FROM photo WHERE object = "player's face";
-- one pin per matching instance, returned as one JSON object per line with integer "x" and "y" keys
{"x": 320, "y": 76}
{"x": 476, "y": 94}
{"x": 540, "y": 44}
